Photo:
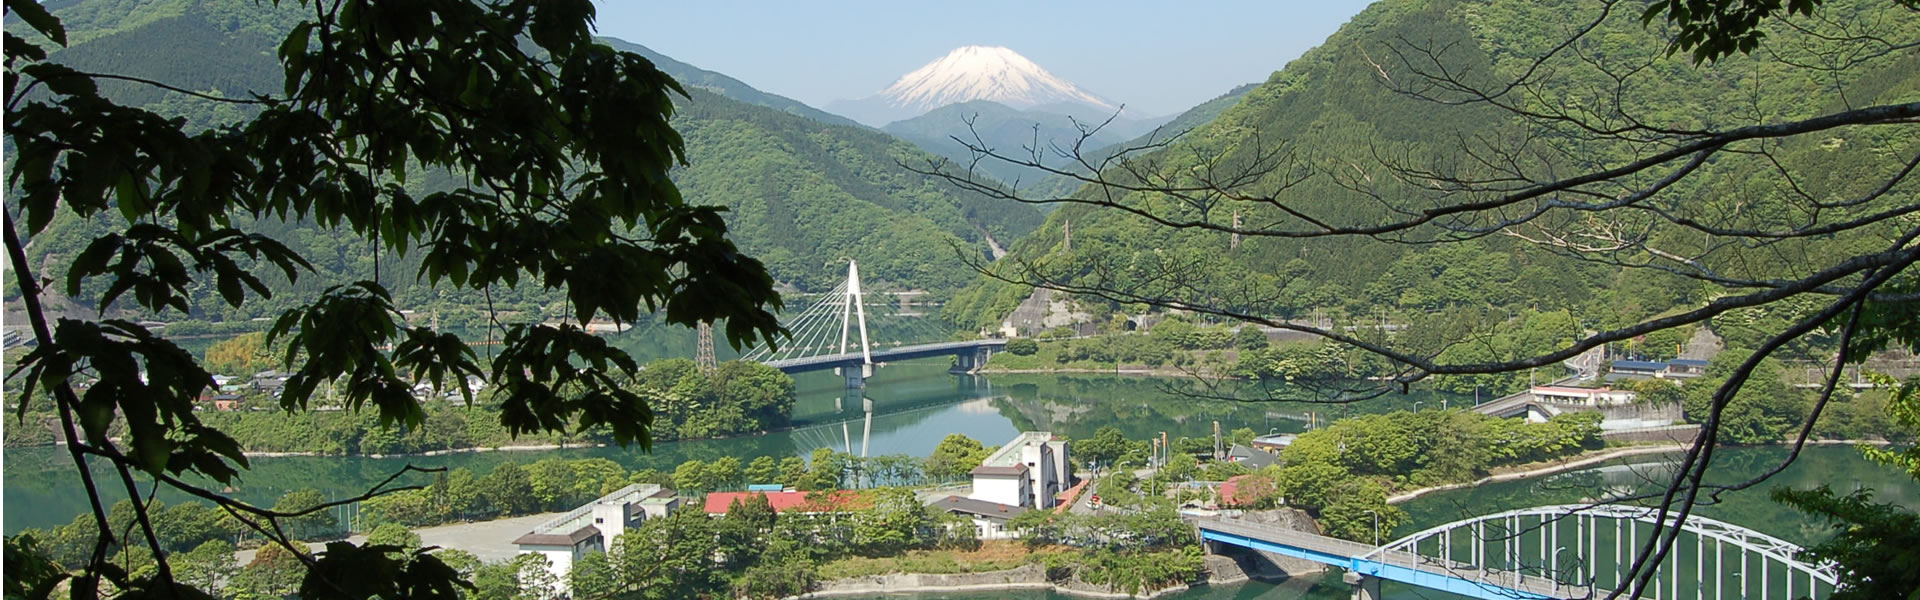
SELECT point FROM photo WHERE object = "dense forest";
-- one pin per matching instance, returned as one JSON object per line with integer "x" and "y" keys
{"x": 1335, "y": 124}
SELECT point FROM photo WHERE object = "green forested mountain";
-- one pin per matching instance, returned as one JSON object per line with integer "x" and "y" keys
{"x": 1055, "y": 186}
{"x": 807, "y": 189}
{"x": 1009, "y": 131}
{"x": 718, "y": 83}
{"x": 1347, "y": 110}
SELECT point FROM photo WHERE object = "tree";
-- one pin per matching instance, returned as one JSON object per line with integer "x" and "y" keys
{"x": 208, "y": 565}
{"x": 723, "y": 473}
{"x": 1250, "y": 338}
{"x": 762, "y": 470}
{"x": 508, "y": 489}
{"x": 827, "y": 470}
{"x": 1022, "y": 346}
{"x": 954, "y": 457}
{"x": 241, "y": 355}
{"x": 462, "y": 494}
{"x": 793, "y": 470}
{"x": 554, "y": 169}
{"x": 592, "y": 577}
{"x": 893, "y": 523}
{"x": 534, "y": 578}
{"x": 274, "y": 573}
{"x": 396, "y": 535}
{"x": 669, "y": 557}
{"x": 314, "y": 525}
{"x": 692, "y": 475}
{"x": 1105, "y": 448}
{"x": 1356, "y": 509}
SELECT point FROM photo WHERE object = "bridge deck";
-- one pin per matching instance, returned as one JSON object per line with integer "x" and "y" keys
{"x": 817, "y": 363}
{"x": 1424, "y": 571}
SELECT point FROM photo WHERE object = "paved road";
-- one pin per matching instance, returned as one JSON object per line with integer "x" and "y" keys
{"x": 492, "y": 541}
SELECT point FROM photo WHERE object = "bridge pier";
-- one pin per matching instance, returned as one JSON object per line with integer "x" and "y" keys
{"x": 856, "y": 375}
{"x": 1364, "y": 587}
{"x": 968, "y": 362}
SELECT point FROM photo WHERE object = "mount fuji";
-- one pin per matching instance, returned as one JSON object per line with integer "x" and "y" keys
{"x": 971, "y": 73}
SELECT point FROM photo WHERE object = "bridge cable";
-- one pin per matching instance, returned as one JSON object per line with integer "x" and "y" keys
{"x": 766, "y": 351}
{"x": 800, "y": 329}
{"x": 818, "y": 326}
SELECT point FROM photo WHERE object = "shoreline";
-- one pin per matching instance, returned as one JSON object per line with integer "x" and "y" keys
{"x": 1149, "y": 371}
{"x": 1584, "y": 460}
{"x": 474, "y": 450}
{"x": 1024, "y": 577}
{"x": 1573, "y": 464}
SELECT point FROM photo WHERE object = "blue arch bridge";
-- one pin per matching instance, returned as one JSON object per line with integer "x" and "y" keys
{"x": 812, "y": 345}
{"x": 1566, "y": 551}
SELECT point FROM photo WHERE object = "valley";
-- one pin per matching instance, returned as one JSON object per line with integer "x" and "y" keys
{"x": 1374, "y": 299}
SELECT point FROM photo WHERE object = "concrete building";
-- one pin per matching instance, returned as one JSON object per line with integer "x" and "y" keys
{"x": 1589, "y": 397}
{"x": 1682, "y": 368}
{"x": 1686, "y": 367}
{"x": 593, "y": 526}
{"x": 1008, "y": 485}
{"x": 989, "y": 518}
{"x": 1030, "y": 471}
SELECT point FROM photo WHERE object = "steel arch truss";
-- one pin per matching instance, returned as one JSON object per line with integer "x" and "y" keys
{"x": 1766, "y": 547}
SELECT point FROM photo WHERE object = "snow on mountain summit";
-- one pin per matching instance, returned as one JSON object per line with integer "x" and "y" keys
{"x": 970, "y": 73}
{"x": 985, "y": 73}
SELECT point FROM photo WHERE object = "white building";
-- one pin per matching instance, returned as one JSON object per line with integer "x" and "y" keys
{"x": 593, "y": 526}
{"x": 1590, "y": 397}
{"x": 989, "y": 518}
{"x": 1029, "y": 471}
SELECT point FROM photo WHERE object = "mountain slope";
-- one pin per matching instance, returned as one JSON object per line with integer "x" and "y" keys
{"x": 1004, "y": 129}
{"x": 972, "y": 73}
{"x": 692, "y": 76}
{"x": 1335, "y": 108}
{"x": 805, "y": 193}
{"x": 1044, "y": 185}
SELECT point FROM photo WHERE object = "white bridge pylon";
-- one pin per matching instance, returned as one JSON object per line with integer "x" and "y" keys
{"x": 810, "y": 333}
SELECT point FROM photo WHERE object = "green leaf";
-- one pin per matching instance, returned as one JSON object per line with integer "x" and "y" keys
{"x": 37, "y": 17}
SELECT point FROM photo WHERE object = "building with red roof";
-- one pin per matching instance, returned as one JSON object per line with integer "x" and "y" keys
{"x": 718, "y": 503}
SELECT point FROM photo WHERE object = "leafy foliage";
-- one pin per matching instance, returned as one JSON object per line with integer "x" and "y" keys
{"x": 563, "y": 149}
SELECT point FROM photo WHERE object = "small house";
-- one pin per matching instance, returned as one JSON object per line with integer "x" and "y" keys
{"x": 989, "y": 518}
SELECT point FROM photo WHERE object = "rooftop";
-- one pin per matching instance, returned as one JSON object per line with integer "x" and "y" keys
{"x": 574, "y": 525}
{"x": 1009, "y": 453}
{"x": 1639, "y": 364}
{"x": 1555, "y": 389}
{"x": 991, "y": 510}
{"x": 1015, "y": 469}
{"x": 718, "y": 503}
{"x": 1251, "y": 457}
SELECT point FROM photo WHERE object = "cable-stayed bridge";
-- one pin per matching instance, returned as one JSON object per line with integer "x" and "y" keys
{"x": 813, "y": 345}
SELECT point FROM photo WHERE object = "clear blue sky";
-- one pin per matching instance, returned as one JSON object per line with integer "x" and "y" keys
{"x": 1158, "y": 57}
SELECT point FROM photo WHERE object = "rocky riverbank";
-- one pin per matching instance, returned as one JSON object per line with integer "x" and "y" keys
{"x": 1220, "y": 570}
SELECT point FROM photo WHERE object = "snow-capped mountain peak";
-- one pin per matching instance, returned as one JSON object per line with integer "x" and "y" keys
{"x": 972, "y": 73}
{"x": 985, "y": 73}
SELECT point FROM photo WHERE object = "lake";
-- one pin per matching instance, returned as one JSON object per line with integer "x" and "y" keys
{"x": 908, "y": 408}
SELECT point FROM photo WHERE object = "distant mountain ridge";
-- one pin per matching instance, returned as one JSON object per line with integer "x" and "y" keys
{"x": 718, "y": 83}
{"x": 969, "y": 73}
{"x": 1010, "y": 131}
